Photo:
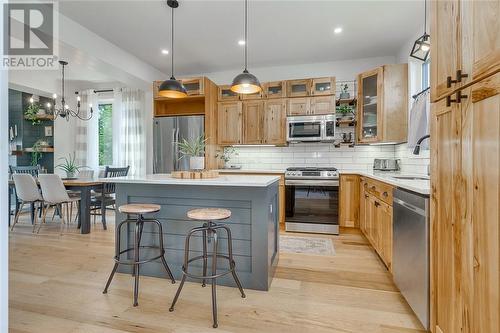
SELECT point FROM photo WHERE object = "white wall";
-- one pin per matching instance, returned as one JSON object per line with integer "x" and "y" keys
{"x": 342, "y": 70}
{"x": 4, "y": 231}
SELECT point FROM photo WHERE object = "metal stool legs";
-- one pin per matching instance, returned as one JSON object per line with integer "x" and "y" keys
{"x": 136, "y": 262}
{"x": 209, "y": 229}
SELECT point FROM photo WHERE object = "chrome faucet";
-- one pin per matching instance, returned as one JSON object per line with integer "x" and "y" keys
{"x": 416, "y": 150}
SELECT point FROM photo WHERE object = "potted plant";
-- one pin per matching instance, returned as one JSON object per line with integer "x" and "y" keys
{"x": 69, "y": 166}
{"x": 225, "y": 154}
{"x": 344, "y": 94}
{"x": 195, "y": 150}
{"x": 345, "y": 111}
{"x": 36, "y": 154}
{"x": 31, "y": 113}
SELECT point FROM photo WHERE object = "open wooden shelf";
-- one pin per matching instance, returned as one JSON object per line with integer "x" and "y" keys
{"x": 41, "y": 150}
{"x": 350, "y": 101}
{"x": 345, "y": 122}
{"x": 43, "y": 117}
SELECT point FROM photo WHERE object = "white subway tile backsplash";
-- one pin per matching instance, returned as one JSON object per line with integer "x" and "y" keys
{"x": 359, "y": 158}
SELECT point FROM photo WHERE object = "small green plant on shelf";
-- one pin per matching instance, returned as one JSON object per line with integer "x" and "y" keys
{"x": 69, "y": 165}
{"x": 345, "y": 110}
{"x": 36, "y": 154}
{"x": 31, "y": 113}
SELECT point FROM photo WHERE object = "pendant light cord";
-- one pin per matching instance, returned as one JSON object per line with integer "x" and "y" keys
{"x": 246, "y": 33}
{"x": 425, "y": 17}
{"x": 172, "y": 45}
{"x": 63, "y": 85}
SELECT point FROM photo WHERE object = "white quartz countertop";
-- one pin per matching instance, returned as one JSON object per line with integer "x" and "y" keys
{"x": 222, "y": 180}
{"x": 268, "y": 171}
{"x": 414, "y": 185}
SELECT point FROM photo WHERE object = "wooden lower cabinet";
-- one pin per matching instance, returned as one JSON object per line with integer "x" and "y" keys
{"x": 349, "y": 201}
{"x": 375, "y": 217}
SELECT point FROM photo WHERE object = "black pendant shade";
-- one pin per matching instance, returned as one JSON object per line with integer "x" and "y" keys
{"x": 422, "y": 45}
{"x": 246, "y": 83}
{"x": 172, "y": 88}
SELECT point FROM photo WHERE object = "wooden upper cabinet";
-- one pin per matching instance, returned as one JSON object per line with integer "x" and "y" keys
{"x": 253, "y": 120}
{"x": 276, "y": 89}
{"x": 322, "y": 105}
{"x": 299, "y": 106}
{"x": 257, "y": 95}
{"x": 229, "y": 123}
{"x": 323, "y": 86}
{"x": 226, "y": 94}
{"x": 349, "y": 201}
{"x": 383, "y": 105}
{"x": 194, "y": 86}
{"x": 298, "y": 88}
{"x": 275, "y": 122}
{"x": 480, "y": 32}
{"x": 445, "y": 46}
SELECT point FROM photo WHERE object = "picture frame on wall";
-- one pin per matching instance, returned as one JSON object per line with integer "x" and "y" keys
{"x": 49, "y": 131}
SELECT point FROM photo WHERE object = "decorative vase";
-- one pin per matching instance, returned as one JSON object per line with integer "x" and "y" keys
{"x": 70, "y": 174}
{"x": 197, "y": 162}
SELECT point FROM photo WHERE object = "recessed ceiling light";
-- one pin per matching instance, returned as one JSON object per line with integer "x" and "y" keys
{"x": 337, "y": 30}
{"x": 164, "y": 51}
{"x": 241, "y": 42}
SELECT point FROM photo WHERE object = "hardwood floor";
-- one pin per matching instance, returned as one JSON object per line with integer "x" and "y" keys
{"x": 56, "y": 285}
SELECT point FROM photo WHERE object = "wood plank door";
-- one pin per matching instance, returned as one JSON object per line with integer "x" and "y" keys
{"x": 229, "y": 123}
{"x": 384, "y": 226}
{"x": 275, "y": 122}
{"x": 322, "y": 105}
{"x": 484, "y": 262}
{"x": 349, "y": 201}
{"x": 446, "y": 314}
{"x": 253, "y": 120}
{"x": 480, "y": 31}
{"x": 363, "y": 198}
{"x": 445, "y": 46}
{"x": 299, "y": 106}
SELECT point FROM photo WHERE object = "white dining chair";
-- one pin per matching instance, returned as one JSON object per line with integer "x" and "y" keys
{"x": 27, "y": 192}
{"x": 54, "y": 194}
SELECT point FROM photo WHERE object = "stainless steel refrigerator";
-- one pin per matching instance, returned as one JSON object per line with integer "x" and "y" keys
{"x": 167, "y": 133}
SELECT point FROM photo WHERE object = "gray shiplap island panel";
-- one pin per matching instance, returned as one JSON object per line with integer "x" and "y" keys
{"x": 254, "y": 226}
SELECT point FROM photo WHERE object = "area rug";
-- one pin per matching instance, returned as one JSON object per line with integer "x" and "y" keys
{"x": 307, "y": 245}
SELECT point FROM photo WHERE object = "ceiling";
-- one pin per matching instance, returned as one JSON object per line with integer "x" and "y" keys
{"x": 280, "y": 32}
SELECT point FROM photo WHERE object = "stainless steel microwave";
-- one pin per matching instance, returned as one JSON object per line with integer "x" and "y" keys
{"x": 310, "y": 128}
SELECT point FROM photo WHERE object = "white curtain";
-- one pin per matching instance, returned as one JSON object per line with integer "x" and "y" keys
{"x": 87, "y": 132}
{"x": 129, "y": 146}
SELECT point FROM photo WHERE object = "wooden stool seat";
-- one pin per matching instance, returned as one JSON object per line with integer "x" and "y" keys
{"x": 209, "y": 214}
{"x": 139, "y": 208}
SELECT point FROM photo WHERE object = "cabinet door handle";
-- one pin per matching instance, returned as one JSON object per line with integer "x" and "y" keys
{"x": 385, "y": 194}
{"x": 377, "y": 204}
{"x": 458, "y": 78}
{"x": 373, "y": 188}
{"x": 366, "y": 196}
{"x": 458, "y": 98}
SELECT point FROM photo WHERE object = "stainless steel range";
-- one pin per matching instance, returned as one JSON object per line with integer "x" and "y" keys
{"x": 312, "y": 200}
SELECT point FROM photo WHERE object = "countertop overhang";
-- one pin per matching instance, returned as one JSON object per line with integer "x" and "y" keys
{"x": 222, "y": 180}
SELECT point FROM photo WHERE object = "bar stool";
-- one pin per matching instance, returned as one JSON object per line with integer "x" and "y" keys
{"x": 209, "y": 228}
{"x": 139, "y": 210}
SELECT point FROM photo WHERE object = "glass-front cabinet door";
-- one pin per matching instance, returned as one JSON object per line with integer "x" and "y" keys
{"x": 369, "y": 106}
{"x": 323, "y": 86}
{"x": 275, "y": 89}
{"x": 298, "y": 88}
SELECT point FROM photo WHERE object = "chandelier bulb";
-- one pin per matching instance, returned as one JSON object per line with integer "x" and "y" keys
{"x": 31, "y": 100}
{"x": 54, "y": 96}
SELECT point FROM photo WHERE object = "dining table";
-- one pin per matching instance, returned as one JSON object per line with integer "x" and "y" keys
{"x": 85, "y": 187}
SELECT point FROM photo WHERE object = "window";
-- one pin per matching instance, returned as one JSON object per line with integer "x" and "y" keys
{"x": 105, "y": 134}
{"x": 426, "y": 74}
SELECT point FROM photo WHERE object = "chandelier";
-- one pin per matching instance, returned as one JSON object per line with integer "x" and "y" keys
{"x": 64, "y": 111}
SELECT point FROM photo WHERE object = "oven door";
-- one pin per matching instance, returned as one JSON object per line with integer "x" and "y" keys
{"x": 304, "y": 130}
{"x": 312, "y": 206}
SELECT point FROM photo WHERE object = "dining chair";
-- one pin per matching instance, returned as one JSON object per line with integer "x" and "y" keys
{"x": 27, "y": 192}
{"x": 31, "y": 170}
{"x": 107, "y": 196}
{"x": 54, "y": 194}
{"x": 86, "y": 173}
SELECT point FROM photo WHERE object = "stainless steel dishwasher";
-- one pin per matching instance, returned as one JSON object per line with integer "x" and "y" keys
{"x": 411, "y": 250}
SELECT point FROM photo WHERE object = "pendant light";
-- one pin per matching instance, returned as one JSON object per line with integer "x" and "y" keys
{"x": 422, "y": 45}
{"x": 172, "y": 88}
{"x": 246, "y": 83}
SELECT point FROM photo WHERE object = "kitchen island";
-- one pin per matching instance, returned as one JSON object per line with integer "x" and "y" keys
{"x": 253, "y": 201}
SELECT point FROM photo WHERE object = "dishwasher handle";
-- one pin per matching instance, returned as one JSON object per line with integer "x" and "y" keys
{"x": 411, "y": 207}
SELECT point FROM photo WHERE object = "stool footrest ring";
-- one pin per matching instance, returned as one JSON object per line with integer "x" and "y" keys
{"x": 232, "y": 265}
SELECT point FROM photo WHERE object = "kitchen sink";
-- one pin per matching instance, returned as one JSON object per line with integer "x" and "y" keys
{"x": 410, "y": 177}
